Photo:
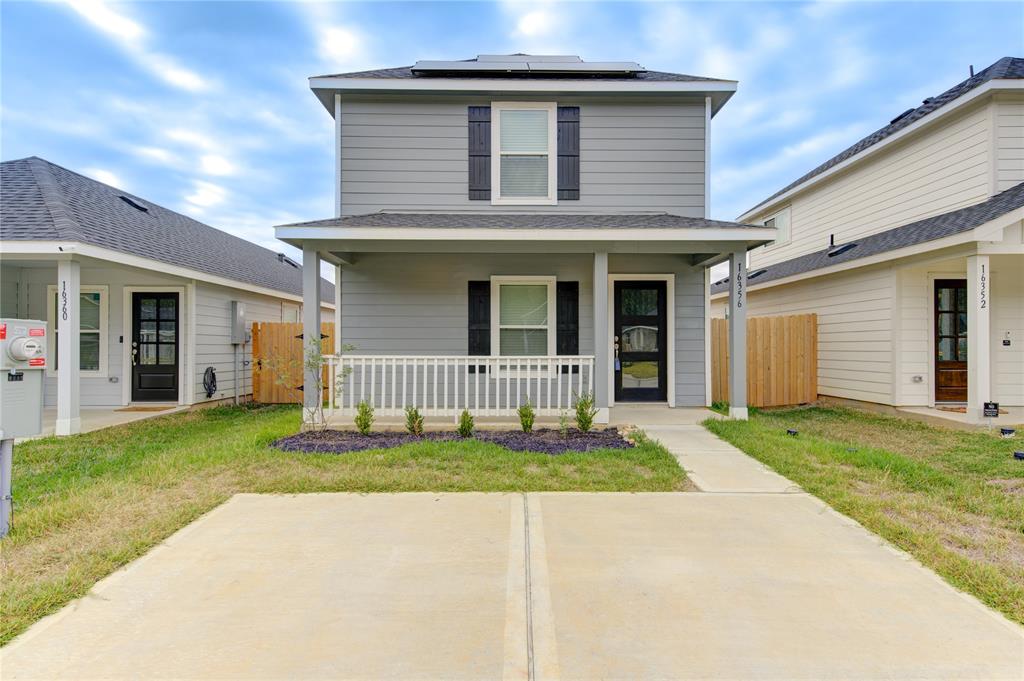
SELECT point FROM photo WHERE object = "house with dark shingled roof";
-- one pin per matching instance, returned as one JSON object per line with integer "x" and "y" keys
{"x": 908, "y": 245}
{"x": 523, "y": 228}
{"x": 138, "y": 296}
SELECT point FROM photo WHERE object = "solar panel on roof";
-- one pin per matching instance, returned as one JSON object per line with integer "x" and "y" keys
{"x": 542, "y": 64}
{"x": 561, "y": 58}
{"x": 587, "y": 67}
{"x": 467, "y": 66}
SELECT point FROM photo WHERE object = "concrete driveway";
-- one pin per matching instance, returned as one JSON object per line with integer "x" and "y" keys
{"x": 712, "y": 585}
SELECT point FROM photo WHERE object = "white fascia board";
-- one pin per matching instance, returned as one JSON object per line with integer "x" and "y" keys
{"x": 943, "y": 111}
{"x": 518, "y": 234}
{"x": 64, "y": 249}
{"x": 526, "y": 85}
{"x": 980, "y": 233}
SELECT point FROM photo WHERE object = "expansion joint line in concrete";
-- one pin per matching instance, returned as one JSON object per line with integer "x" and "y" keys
{"x": 531, "y": 669}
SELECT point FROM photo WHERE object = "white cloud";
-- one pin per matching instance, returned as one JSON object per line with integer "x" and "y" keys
{"x": 338, "y": 45}
{"x": 156, "y": 154}
{"x": 104, "y": 176}
{"x": 132, "y": 37}
{"x": 205, "y": 194}
{"x": 192, "y": 138}
{"x": 212, "y": 164}
{"x": 535, "y": 23}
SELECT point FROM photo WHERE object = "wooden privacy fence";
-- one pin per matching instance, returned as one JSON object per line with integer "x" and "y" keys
{"x": 782, "y": 360}
{"x": 277, "y": 361}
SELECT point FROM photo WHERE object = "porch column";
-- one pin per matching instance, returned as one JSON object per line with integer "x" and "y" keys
{"x": 738, "y": 335}
{"x": 602, "y": 333}
{"x": 337, "y": 310}
{"x": 979, "y": 369}
{"x": 312, "y": 398}
{"x": 69, "y": 281}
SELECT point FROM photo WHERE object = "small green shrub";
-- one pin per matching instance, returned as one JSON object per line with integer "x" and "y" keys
{"x": 364, "y": 417}
{"x": 585, "y": 412}
{"x": 466, "y": 424}
{"x": 526, "y": 417}
{"x": 413, "y": 421}
{"x": 563, "y": 423}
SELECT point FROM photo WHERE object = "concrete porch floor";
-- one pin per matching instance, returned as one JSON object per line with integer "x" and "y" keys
{"x": 1014, "y": 416}
{"x": 96, "y": 418}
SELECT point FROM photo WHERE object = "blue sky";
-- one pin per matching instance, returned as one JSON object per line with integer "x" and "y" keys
{"x": 204, "y": 107}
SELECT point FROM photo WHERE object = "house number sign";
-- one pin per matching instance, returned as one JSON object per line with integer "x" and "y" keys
{"x": 740, "y": 283}
{"x": 983, "y": 287}
{"x": 64, "y": 300}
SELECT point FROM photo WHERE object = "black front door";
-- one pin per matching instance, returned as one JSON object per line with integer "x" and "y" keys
{"x": 640, "y": 351}
{"x": 155, "y": 347}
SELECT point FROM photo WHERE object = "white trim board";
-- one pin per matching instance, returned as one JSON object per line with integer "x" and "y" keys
{"x": 520, "y": 86}
{"x": 183, "y": 333}
{"x": 670, "y": 309}
{"x": 67, "y": 249}
{"x": 701, "y": 234}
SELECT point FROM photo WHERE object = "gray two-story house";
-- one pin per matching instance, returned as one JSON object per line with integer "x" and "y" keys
{"x": 517, "y": 228}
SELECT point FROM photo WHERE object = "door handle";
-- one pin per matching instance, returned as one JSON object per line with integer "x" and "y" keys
{"x": 135, "y": 354}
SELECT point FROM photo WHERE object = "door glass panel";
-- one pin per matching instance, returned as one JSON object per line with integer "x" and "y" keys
{"x": 961, "y": 298}
{"x": 165, "y": 355}
{"x": 946, "y": 324}
{"x": 963, "y": 323}
{"x": 946, "y": 299}
{"x": 519, "y": 342}
{"x": 147, "y": 332}
{"x": 962, "y": 349}
{"x": 168, "y": 308}
{"x": 639, "y": 339}
{"x": 640, "y": 374}
{"x": 639, "y": 302}
{"x": 89, "y": 351}
{"x": 945, "y": 350}
{"x": 147, "y": 308}
{"x": 167, "y": 332}
{"x": 147, "y": 354}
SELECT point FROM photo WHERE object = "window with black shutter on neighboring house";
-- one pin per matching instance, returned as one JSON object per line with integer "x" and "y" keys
{"x": 528, "y": 152}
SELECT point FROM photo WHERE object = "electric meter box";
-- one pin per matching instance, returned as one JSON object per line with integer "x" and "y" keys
{"x": 238, "y": 332}
{"x": 22, "y": 372}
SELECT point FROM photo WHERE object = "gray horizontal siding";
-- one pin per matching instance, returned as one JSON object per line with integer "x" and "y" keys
{"x": 405, "y": 304}
{"x": 412, "y": 153}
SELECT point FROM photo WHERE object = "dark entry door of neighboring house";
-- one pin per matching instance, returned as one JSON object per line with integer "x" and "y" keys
{"x": 155, "y": 325}
{"x": 640, "y": 342}
{"x": 950, "y": 340}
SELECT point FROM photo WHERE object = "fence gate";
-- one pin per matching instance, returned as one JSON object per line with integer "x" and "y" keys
{"x": 782, "y": 360}
{"x": 277, "y": 360}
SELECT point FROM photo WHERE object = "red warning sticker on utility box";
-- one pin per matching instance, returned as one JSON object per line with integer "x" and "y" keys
{"x": 3, "y": 332}
{"x": 37, "y": 362}
{"x": 37, "y": 332}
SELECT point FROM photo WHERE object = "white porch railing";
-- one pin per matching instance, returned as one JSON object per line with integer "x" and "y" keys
{"x": 445, "y": 385}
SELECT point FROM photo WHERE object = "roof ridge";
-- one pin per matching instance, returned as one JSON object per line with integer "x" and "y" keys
{"x": 53, "y": 198}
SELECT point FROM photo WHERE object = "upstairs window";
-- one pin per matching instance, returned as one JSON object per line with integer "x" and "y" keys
{"x": 779, "y": 221}
{"x": 524, "y": 167}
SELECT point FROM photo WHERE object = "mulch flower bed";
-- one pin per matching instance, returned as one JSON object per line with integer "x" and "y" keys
{"x": 544, "y": 440}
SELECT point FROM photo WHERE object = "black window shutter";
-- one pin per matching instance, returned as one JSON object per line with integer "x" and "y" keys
{"x": 569, "y": 153}
{"x": 479, "y": 319}
{"x": 480, "y": 153}
{"x": 567, "y": 301}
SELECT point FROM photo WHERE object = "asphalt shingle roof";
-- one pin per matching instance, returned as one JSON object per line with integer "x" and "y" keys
{"x": 1006, "y": 68}
{"x": 563, "y": 221}
{"x": 929, "y": 229}
{"x": 42, "y": 201}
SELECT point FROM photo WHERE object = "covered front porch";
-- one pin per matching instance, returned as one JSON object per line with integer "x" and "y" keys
{"x": 488, "y": 320}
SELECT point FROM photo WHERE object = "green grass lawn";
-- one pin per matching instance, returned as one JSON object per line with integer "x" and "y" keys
{"x": 88, "y": 504}
{"x": 953, "y": 499}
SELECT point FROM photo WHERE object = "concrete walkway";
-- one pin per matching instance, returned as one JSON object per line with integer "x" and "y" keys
{"x": 765, "y": 582}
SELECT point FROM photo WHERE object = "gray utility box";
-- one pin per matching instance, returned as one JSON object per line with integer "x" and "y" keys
{"x": 22, "y": 370}
{"x": 239, "y": 334}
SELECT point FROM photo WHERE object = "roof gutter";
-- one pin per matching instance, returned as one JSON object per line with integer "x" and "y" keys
{"x": 943, "y": 111}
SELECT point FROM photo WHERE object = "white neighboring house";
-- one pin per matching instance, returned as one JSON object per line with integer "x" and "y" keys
{"x": 142, "y": 293}
{"x": 909, "y": 247}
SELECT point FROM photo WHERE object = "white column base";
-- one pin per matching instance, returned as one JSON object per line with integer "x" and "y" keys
{"x": 604, "y": 415}
{"x": 68, "y": 426}
{"x": 738, "y": 413}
